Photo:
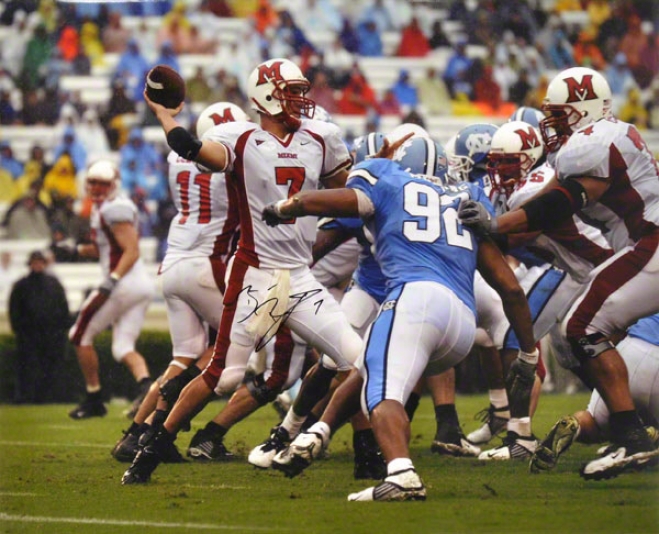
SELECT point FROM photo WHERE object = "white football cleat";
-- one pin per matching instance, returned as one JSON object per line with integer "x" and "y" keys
{"x": 494, "y": 423}
{"x": 401, "y": 486}
{"x": 514, "y": 447}
{"x": 263, "y": 455}
{"x": 616, "y": 462}
{"x": 303, "y": 450}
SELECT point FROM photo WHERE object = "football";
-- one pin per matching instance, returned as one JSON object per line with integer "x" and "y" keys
{"x": 165, "y": 86}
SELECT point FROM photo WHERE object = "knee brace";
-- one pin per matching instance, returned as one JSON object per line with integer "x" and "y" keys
{"x": 259, "y": 389}
{"x": 590, "y": 346}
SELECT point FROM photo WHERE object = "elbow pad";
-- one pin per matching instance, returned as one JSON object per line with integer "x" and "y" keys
{"x": 183, "y": 143}
{"x": 549, "y": 209}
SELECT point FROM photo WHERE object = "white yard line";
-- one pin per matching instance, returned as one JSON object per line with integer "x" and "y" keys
{"x": 117, "y": 522}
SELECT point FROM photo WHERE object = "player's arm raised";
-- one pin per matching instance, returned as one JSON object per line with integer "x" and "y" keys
{"x": 211, "y": 155}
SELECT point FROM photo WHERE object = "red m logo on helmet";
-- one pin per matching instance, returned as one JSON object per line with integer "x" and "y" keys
{"x": 269, "y": 72}
{"x": 529, "y": 138}
{"x": 227, "y": 116}
{"x": 580, "y": 91}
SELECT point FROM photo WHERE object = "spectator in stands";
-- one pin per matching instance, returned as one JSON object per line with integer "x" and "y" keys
{"x": 519, "y": 90}
{"x": 648, "y": 68}
{"x": 93, "y": 136}
{"x": 61, "y": 179}
{"x": 81, "y": 64}
{"x": 287, "y": 31}
{"x": 505, "y": 76}
{"x": 318, "y": 16}
{"x": 516, "y": 16}
{"x": 598, "y": 11}
{"x": 8, "y": 161}
{"x": 227, "y": 89}
{"x": 8, "y": 115}
{"x": 177, "y": 12}
{"x": 37, "y": 53}
{"x": 487, "y": 90}
{"x": 27, "y": 218}
{"x": 633, "y": 42}
{"x": 357, "y": 97}
{"x": 482, "y": 26}
{"x": 90, "y": 43}
{"x": 114, "y": 36}
{"x": 619, "y": 76}
{"x": 65, "y": 217}
{"x": 265, "y": 16}
{"x": 197, "y": 88}
{"x": 48, "y": 15}
{"x": 559, "y": 51}
{"x": 168, "y": 56}
{"x": 536, "y": 96}
{"x": 612, "y": 30}
{"x": 132, "y": 69}
{"x": 37, "y": 161}
{"x": 68, "y": 43}
{"x": 413, "y": 117}
{"x": 219, "y": 8}
{"x": 321, "y": 92}
{"x": 586, "y": 53}
{"x": 389, "y": 104}
{"x": 460, "y": 12}
{"x": 404, "y": 90}
{"x": 370, "y": 40}
{"x": 9, "y": 188}
{"x": 139, "y": 162}
{"x": 175, "y": 33}
{"x": 378, "y": 13}
{"x": 349, "y": 37}
{"x": 72, "y": 146}
{"x": 457, "y": 66}
{"x": 145, "y": 218}
{"x": 437, "y": 37}
{"x": 198, "y": 44}
{"x": 413, "y": 42}
{"x": 633, "y": 111}
{"x": 652, "y": 105}
{"x": 14, "y": 44}
{"x": 337, "y": 58}
{"x": 39, "y": 317}
{"x": 433, "y": 94}
{"x": 116, "y": 118}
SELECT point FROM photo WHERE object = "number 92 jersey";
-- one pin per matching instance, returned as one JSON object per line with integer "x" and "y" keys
{"x": 415, "y": 227}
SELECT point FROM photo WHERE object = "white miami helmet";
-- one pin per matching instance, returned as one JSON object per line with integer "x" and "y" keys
{"x": 219, "y": 113}
{"x": 407, "y": 128}
{"x": 276, "y": 88}
{"x": 516, "y": 147}
{"x": 575, "y": 98}
{"x": 102, "y": 180}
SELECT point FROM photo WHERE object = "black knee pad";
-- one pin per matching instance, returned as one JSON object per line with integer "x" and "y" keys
{"x": 258, "y": 388}
{"x": 590, "y": 346}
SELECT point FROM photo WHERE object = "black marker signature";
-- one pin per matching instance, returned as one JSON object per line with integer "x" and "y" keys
{"x": 294, "y": 300}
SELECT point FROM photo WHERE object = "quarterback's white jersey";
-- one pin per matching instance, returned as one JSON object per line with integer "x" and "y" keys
{"x": 116, "y": 210}
{"x": 615, "y": 151}
{"x": 206, "y": 224}
{"x": 266, "y": 169}
{"x": 574, "y": 246}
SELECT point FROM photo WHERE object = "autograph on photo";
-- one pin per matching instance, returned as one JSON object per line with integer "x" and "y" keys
{"x": 270, "y": 305}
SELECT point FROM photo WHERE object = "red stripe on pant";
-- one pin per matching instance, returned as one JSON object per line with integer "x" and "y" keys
{"x": 86, "y": 315}
{"x": 610, "y": 280}
{"x": 213, "y": 371}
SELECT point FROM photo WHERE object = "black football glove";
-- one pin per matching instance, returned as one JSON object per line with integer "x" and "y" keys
{"x": 272, "y": 216}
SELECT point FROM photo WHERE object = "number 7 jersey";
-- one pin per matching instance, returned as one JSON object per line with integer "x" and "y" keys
{"x": 415, "y": 227}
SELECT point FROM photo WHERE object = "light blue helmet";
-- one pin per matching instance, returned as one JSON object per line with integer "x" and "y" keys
{"x": 528, "y": 115}
{"x": 421, "y": 155}
{"x": 321, "y": 114}
{"x": 472, "y": 145}
{"x": 366, "y": 145}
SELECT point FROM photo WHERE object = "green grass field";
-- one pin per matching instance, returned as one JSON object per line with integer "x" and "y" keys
{"x": 57, "y": 476}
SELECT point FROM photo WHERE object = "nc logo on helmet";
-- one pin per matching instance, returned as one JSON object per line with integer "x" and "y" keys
{"x": 269, "y": 72}
{"x": 578, "y": 91}
{"x": 478, "y": 142}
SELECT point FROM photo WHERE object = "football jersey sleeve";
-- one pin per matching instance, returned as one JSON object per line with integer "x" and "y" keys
{"x": 582, "y": 157}
{"x": 337, "y": 157}
{"x": 119, "y": 210}
{"x": 228, "y": 134}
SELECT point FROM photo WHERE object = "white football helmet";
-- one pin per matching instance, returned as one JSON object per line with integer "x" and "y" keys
{"x": 219, "y": 113}
{"x": 516, "y": 147}
{"x": 276, "y": 88}
{"x": 102, "y": 181}
{"x": 575, "y": 98}
{"x": 406, "y": 128}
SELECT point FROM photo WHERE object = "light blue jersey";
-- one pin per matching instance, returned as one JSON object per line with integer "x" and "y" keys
{"x": 647, "y": 329}
{"x": 416, "y": 229}
{"x": 368, "y": 274}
